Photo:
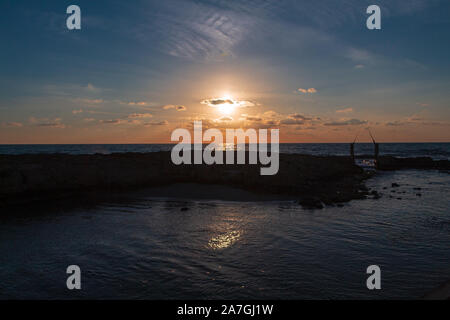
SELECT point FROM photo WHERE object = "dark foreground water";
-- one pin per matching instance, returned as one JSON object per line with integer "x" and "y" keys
{"x": 141, "y": 247}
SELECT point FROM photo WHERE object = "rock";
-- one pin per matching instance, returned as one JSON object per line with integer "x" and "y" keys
{"x": 375, "y": 194}
{"x": 184, "y": 209}
{"x": 331, "y": 179}
{"x": 393, "y": 163}
{"x": 399, "y": 198}
{"x": 395, "y": 185}
{"x": 418, "y": 194}
{"x": 418, "y": 188}
{"x": 311, "y": 203}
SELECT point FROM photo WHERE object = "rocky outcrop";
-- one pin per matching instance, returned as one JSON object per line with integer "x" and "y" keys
{"x": 325, "y": 179}
{"x": 393, "y": 163}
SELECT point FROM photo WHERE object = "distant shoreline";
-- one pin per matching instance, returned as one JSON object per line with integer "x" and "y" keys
{"x": 174, "y": 143}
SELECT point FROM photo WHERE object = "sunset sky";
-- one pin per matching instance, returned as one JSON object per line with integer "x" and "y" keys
{"x": 137, "y": 70}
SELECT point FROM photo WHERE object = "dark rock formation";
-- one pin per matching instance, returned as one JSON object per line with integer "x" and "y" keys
{"x": 393, "y": 163}
{"x": 24, "y": 177}
{"x": 311, "y": 203}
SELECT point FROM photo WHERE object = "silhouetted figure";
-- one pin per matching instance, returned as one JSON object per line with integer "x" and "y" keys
{"x": 376, "y": 150}
{"x": 352, "y": 151}
{"x": 376, "y": 154}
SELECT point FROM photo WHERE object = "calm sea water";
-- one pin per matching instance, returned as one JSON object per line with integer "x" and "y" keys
{"x": 142, "y": 247}
{"x": 434, "y": 150}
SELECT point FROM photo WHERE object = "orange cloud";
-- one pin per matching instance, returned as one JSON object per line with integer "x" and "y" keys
{"x": 12, "y": 124}
{"x": 140, "y": 115}
{"x": 176, "y": 107}
{"x": 346, "y": 110}
{"x": 160, "y": 123}
{"x": 310, "y": 90}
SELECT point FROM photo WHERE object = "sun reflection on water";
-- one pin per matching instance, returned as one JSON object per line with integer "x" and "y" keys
{"x": 224, "y": 240}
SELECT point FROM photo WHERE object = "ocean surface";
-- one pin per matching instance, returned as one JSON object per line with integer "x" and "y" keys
{"x": 135, "y": 246}
{"x": 437, "y": 151}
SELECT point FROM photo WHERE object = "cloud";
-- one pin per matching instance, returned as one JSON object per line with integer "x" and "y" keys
{"x": 52, "y": 125}
{"x": 359, "y": 66}
{"x": 160, "y": 123}
{"x": 297, "y": 116}
{"x": 214, "y": 102}
{"x": 92, "y": 101}
{"x": 91, "y": 88}
{"x": 310, "y": 90}
{"x": 140, "y": 115}
{"x": 395, "y": 123}
{"x": 77, "y": 111}
{"x": 251, "y": 118}
{"x": 292, "y": 121}
{"x": 295, "y": 119}
{"x": 176, "y": 107}
{"x": 225, "y": 118}
{"x": 271, "y": 122}
{"x": 358, "y": 55}
{"x": 138, "y": 103}
{"x": 210, "y": 33}
{"x": 350, "y": 122}
{"x": 12, "y": 124}
{"x": 420, "y": 118}
{"x": 47, "y": 123}
{"x": 270, "y": 114}
{"x": 112, "y": 121}
{"x": 346, "y": 110}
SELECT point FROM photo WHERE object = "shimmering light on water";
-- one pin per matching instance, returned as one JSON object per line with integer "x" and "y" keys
{"x": 223, "y": 241}
{"x": 147, "y": 248}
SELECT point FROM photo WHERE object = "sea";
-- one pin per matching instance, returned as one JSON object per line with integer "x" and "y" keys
{"x": 438, "y": 151}
{"x": 136, "y": 246}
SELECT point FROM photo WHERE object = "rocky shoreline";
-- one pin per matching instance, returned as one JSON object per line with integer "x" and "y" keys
{"x": 311, "y": 180}
{"x": 427, "y": 163}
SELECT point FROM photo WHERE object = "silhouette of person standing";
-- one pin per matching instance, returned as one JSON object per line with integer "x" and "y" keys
{"x": 376, "y": 150}
{"x": 352, "y": 151}
{"x": 376, "y": 153}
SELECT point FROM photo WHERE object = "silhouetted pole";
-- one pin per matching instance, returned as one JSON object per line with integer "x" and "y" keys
{"x": 376, "y": 154}
{"x": 352, "y": 152}
{"x": 352, "y": 149}
{"x": 376, "y": 151}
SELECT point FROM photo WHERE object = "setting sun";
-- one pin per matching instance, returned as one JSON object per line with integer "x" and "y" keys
{"x": 227, "y": 105}
{"x": 226, "y": 108}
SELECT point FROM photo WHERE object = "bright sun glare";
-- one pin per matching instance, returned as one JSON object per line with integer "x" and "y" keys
{"x": 228, "y": 106}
